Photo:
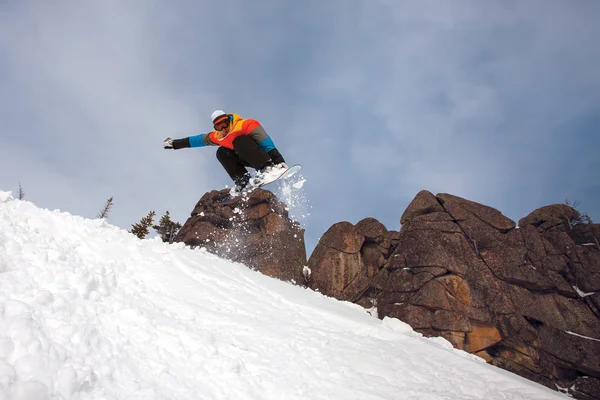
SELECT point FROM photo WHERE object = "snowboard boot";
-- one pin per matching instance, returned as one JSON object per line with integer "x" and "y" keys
{"x": 268, "y": 173}
{"x": 241, "y": 183}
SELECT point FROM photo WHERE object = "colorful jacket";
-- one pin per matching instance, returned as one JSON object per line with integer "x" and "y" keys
{"x": 239, "y": 127}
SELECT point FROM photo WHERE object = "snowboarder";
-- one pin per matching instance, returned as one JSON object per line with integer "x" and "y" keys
{"x": 243, "y": 143}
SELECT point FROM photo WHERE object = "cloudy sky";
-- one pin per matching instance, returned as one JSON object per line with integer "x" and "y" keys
{"x": 494, "y": 101}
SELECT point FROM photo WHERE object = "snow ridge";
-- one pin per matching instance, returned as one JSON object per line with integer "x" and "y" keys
{"x": 88, "y": 311}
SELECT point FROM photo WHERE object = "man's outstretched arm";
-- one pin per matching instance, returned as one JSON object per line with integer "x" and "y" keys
{"x": 192, "y": 141}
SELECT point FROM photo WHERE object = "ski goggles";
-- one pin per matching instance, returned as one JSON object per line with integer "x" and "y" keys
{"x": 221, "y": 123}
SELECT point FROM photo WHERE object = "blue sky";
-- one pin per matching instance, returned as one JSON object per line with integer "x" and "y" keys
{"x": 496, "y": 101}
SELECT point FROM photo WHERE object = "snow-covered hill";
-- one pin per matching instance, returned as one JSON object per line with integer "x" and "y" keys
{"x": 88, "y": 311}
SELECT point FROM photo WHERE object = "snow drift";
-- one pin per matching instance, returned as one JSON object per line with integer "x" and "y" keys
{"x": 88, "y": 311}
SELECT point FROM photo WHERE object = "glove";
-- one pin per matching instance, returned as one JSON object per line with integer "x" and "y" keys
{"x": 276, "y": 156}
{"x": 168, "y": 143}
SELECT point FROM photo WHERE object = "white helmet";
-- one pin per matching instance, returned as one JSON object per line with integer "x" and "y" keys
{"x": 216, "y": 114}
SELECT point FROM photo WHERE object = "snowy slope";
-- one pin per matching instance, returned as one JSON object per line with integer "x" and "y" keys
{"x": 88, "y": 311}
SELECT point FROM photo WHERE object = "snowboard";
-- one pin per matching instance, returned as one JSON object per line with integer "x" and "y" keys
{"x": 284, "y": 175}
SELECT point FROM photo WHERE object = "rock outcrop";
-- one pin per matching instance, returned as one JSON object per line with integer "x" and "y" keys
{"x": 255, "y": 231}
{"x": 348, "y": 262}
{"x": 525, "y": 299}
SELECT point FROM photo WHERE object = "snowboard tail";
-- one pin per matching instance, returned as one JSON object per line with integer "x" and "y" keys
{"x": 284, "y": 175}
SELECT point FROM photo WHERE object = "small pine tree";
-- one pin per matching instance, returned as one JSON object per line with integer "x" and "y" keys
{"x": 572, "y": 204}
{"x": 106, "y": 209}
{"x": 166, "y": 228}
{"x": 581, "y": 218}
{"x": 142, "y": 228}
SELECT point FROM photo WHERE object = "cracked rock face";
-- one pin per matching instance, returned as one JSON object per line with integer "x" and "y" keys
{"x": 255, "y": 231}
{"x": 347, "y": 263}
{"x": 524, "y": 299}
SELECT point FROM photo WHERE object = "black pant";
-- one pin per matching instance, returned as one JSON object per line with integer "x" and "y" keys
{"x": 246, "y": 153}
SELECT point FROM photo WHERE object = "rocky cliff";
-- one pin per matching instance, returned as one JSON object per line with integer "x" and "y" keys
{"x": 255, "y": 231}
{"x": 526, "y": 298}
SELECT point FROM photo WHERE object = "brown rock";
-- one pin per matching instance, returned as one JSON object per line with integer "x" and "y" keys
{"x": 343, "y": 237}
{"x": 450, "y": 321}
{"x": 387, "y": 243}
{"x": 554, "y": 264}
{"x": 358, "y": 287}
{"x": 214, "y": 219}
{"x": 480, "y": 235}
{"x": 258, "y": 211}
{"x": 518, "y": 369}
{"x": 533, "y": 243}
{"x": 435, "y": 295}
{"x": 457, "y": 287}
{"x": 485, "y": 355}
{"x": 365, "y": 302}
{"x": 489, "y": 215}
{"x": 256, "y": 232}
{"x": 423, "y": 203}
{"x": 428, "y": 248}
{"x": 509, "y": 261}
{"x": 593, "y": 301}
{"x": 491, "y": 294}
{"x": 524, "y": 356}
{"x": 585, "y": 234}
{"x": 559, "y": 243}
{"x": 405, "y": 280}
{"x": 557, "y": 311}
{"x": 274, "y": 223}
{"x": 372, "y": 258}
{"x": 279, "y": 255}
{"x": 460, "y": 270}
{"x": 557, "y": 369}
{"x": 456, "y": 338}
{"x": 387, "y": 302}
{"x": 580, "y": 352}
{"x": 416, "y": 317}
{"x": 547, "y": 217}
{"x": 256, "y": 197}
{"x": 200, "y": 233}
{"x": 587, "y": 272}
{"x": 380, "y": 279}
{"x": 518, "y": 328}
{"x": 332, "y": 271}
{"x": 586, "y": 387}
{"x": 435, "y": 271}
{"x": 481, "y": 337}
{"x": 371, "y": 229}
{"x": 437, "y": 221}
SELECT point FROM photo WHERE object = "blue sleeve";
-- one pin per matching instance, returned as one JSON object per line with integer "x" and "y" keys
{"x": 197, "y": 141}
{"x": 267, "y": 144}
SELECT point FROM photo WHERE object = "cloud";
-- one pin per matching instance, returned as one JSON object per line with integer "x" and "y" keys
{"x": 93, "y": 107}
{"x": 496, "y": 102}
{"x": 467, "y": 95}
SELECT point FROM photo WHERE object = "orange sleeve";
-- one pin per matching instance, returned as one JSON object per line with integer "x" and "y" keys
{"x": 249, "y": 125}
